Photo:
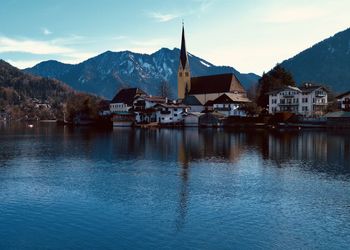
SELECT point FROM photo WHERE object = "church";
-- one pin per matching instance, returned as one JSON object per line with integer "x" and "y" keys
{"x": 206, "y": 89}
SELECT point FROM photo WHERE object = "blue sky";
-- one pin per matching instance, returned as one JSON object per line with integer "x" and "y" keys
{"x": 251, "y": 36}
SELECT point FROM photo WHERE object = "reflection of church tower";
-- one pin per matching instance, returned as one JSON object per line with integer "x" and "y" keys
{"x": 183, "y": 76}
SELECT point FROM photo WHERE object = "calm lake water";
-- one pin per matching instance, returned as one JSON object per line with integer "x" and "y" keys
{"x": 64, "y": 188}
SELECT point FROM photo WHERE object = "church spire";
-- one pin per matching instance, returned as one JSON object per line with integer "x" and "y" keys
{"x": 184, "y": 74}
{"x": 183, "y": 52}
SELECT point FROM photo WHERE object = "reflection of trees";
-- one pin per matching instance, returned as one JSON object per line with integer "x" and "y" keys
{"x": 321, "y": 150}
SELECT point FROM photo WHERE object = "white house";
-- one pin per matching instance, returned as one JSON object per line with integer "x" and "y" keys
{"x": 170, "y": 113}
{"x": 308, "y": 100}
{"x": 230, "y": 104}
{"x": 144, "y": 110}
{"x": 344, "y": 101}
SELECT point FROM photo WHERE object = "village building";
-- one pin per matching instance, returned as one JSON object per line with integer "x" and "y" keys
{"x": 308, "y": 100}
{"x": 211, "y": 119}
{"x": 121, "y": 106}
{"x": 124, "y": 99}
{"x": 313, "y": 100}
{"x": 196, "y": 91}
{"x": 192, "y": 119}
{"x": 344, "y": 101}
{"x": 230, "y": 104}
{"x": 144, "y": 110}
{"x": 193, "y": 103}
{"x": 169, "y": 113}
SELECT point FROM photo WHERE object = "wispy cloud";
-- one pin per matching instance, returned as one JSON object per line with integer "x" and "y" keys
{"x": 31, "y": 46}
{"x": 46, "y": 31}
{"x": 162, "y": 17}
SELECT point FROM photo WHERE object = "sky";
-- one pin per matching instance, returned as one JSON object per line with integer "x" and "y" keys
{"x": 251, "y": 35}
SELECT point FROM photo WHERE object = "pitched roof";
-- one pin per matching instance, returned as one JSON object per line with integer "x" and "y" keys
{"x": 191, "y": 100}
{"x": 342, "y": 95}
{"x": 308, "y": 88}
{"x": 283, "y": 89}
{"x": 215, "y": 84}
{"x": 231, "y": 98}
{"x": 127, "y": 96}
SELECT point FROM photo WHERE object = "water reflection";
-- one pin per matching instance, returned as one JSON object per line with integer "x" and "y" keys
{"x": 236, "y": 186}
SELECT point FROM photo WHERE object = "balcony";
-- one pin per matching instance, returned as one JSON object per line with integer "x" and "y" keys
{"x": 288, "y": 104}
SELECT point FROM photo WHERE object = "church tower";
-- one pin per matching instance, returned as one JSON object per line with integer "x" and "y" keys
{"x": 183, "y": 74}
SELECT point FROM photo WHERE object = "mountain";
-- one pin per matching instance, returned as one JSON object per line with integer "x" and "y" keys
{"x": 21, "y": 92}
{"x": 327, "y": 62}
{"x": 106, "y": 73}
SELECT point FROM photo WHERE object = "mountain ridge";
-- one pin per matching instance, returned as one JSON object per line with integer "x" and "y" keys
{"x": 326, "y": 62}
{"x": 109, "y": 71}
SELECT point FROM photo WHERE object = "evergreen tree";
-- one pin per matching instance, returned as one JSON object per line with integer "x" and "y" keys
{"x": 276, "y": 78}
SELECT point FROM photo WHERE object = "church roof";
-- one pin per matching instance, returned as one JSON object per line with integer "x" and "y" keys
{"x": 215, "y": 84}
{"x": 183, "y": 51}
{"x": 127, "y": 96}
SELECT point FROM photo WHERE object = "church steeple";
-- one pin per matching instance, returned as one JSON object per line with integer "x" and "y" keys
{"x": 184, "y": 75}
{"x": 183, "y": 52}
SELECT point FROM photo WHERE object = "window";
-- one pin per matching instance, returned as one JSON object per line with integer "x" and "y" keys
{"x": 304, "y": 108}
{"x": 304, "y": 100}
{"x": 175, "y": 114}
{"x": 274, "y": 101}
{"x": 175, "y": 109}
{"x": 187, "y": 74}
{"x": 180, "y": 74}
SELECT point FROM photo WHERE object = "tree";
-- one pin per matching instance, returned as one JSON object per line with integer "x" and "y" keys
{"x": 164, "y": 89}
{"x": 276, "y": 78}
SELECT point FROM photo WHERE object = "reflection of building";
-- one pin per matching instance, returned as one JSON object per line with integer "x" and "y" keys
{"x": 307, "y": 100}
{"x": 195, "y": 90}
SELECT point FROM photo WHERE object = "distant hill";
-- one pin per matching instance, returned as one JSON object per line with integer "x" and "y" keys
{"x": 106, "y": 73}
{"x": 20, "y": 91}
{"x": 327, "y": 62}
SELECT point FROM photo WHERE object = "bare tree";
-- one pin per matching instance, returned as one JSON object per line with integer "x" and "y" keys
{"x": 164, "y": 89}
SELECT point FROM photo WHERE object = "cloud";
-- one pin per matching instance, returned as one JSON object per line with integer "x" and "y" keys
{"x": 22, "y": 64}
{"x": 46, "y": 31}
{"x": 160, "y": 17}
{"x": 31, "y": 46}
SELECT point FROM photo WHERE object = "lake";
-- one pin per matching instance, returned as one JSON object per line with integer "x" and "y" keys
{"x": 70, "y": 188}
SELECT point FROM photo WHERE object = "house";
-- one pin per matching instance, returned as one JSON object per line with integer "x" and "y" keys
{"x": 144, "y": 110}
{"x": 308, "y": 100}
{"x": 192, "y": 119}
{"x": 344, "y": 101}
{"x": 121, "y": 106}
{"x": 193, "y": 103}
{"x": 124, "y": 99}
{"x": 203, "y": 88}
{"x": 230, "y": 104}
{"x": 169, "y": 113}
{"x": 285, "y": 99}
{"x": 313, "y": 100}
{"x": 338, "y": 119}
{"x": 211, "y": 119}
